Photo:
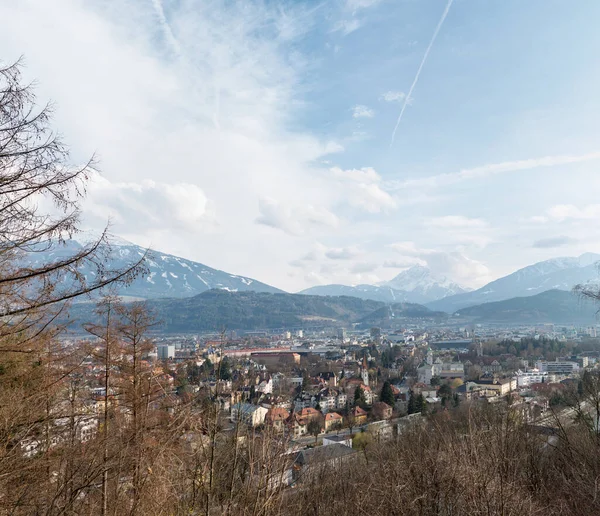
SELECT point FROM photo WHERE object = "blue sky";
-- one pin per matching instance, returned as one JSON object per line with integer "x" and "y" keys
{"x": 256, "y": 137}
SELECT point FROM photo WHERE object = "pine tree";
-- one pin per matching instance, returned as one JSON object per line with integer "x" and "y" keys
{"x": 411, "y": 403}
{"x": 387, "y": 394}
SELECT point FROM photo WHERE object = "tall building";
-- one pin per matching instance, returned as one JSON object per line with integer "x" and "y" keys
{"x": 342, "y": 334}
{"x": 165, "y": 352}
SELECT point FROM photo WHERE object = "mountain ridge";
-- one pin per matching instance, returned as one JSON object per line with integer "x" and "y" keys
{"x": 168, "y": 275}
{"x": 553, "y": 274}
{"x": 417, "y": 284}
{"x": 552, "y": 306}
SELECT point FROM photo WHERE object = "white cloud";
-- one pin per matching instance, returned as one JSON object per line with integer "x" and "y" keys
{"x": 393, "y": 96}
{"x": 360, "y": 111}
{"x": 484, "y": 171}
{"x": 553, "y": 242}
{"x": 355, "y": 5}
{"x": 562, "y": 212}
{"x": 363, "y": 267}
{"x": 342, "y": 253}
{"x": 188, "y": 106}
{"x": 407, "y": 248}
{"x": 350, "y": 19}
{"x": 294, "y": 219}
{"x": 457, "y": 222}
{"x": 148, "y": 205}
{"x": 459, "y": 268}
{"x": 347, "y": 26}
{"x": 361, "y": 175}
{"x": 361, "y": 189}
{"x": 403, "y": 263}
{"x": 454, "y": 265}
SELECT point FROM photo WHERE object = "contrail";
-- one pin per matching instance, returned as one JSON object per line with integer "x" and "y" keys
{"x": 160, "y": 13}
{"x": 412, "y": 87}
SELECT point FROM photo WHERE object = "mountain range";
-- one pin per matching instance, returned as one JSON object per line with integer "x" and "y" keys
{"x": 554, "y": 274}
{"x": 417, "y": 284}
{"x": 416, "y": 290}
{"x": 168, "y": 275}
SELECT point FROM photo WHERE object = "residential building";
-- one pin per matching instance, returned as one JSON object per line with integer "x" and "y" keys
{"x": 252, "y": 415}
{"x": 276, "y": 418}
{"x": 333, "y": 420}
{"x": 359, "y": 416}
{"x": 444, "y": 370}
{"x": 298, "y": 425}
{"x": 382, "y": 410}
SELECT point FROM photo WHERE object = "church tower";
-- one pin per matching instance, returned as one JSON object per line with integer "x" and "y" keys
{"x": 364, "y": 372}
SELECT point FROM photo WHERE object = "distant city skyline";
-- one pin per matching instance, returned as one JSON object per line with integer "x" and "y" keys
{"x": 305, "y": 143}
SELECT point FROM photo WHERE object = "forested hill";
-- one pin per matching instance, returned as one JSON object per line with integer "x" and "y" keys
{"x": 218, "y": 309}
{"x": 554, "y": 306}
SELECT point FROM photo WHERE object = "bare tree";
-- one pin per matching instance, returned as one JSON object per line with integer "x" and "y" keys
{"x": 35, "y": 168}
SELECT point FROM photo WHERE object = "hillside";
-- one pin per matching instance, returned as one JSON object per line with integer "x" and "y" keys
{"x": 387, "y": 315}
{"x": 555, "y": 274}
{"x": 553, "y": 306}
{"x": 215, "y": 310}
{"x": 169, "y": 276}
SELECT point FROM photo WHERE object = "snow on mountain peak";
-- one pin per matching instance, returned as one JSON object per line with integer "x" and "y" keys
{"x": 421, "y": 279}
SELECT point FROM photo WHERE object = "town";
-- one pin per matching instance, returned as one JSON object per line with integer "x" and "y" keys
{"x": 345, "y": 388}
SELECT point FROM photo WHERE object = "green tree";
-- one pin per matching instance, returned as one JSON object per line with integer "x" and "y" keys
{"x": 445, "y": 392}
{"x": 387, "y": 394}
{"x": 224, "y": 370}
{"x": 359, "y": 396}
{"x": 411, "y": 403}
{"x": 420, "y": 404}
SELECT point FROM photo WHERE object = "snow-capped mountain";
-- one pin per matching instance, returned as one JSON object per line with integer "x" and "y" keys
{"x": 415, "y": 285}
{"x": 422, "y": 281}
{"x": 376, "y": 293}
{"x": 554, "y": 274}
{"x": 169, "y": 276}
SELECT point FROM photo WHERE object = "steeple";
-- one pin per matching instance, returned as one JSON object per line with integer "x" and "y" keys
{"x": 364, "y": 372}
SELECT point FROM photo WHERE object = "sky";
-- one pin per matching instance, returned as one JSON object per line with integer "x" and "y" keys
{"x": 342, "y": 141}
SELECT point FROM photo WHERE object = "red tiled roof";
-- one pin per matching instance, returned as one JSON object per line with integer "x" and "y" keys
{"x": 357, "y": 411}
{"x": 277, "y": 414}
{"x": 308, "y": 412}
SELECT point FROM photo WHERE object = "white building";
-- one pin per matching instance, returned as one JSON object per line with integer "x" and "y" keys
{"x": 266, "y": 386}
{"x": 166, "y": 351}
{"x": 442, "y": 370}
{"x": 557, "y": 367}
{"x": 252, "y": 415}
{"x": 527, "y": 378}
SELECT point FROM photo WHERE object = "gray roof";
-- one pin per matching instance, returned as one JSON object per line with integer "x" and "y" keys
{"x": 323, "y": 453}
{"x": 337, "y": 438}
